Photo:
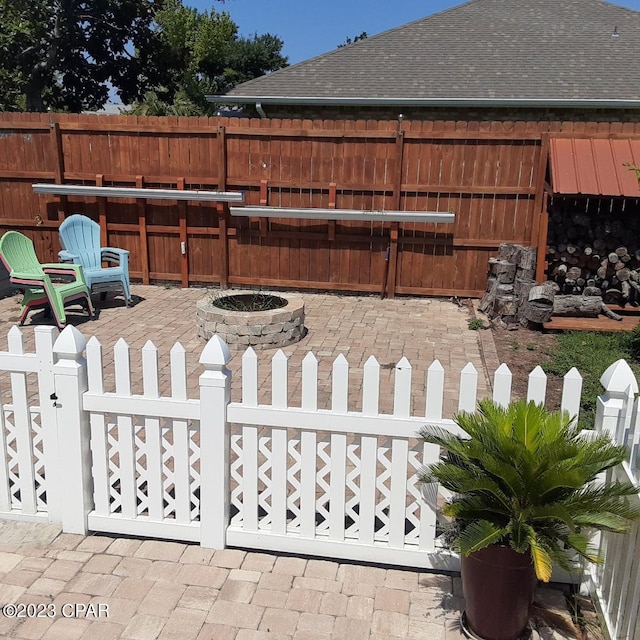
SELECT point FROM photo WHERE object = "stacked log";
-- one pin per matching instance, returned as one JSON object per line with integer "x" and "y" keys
{"x": 513, "y": 296}
{"x": 595, "y": 255}
{"x": 511, "y": 276}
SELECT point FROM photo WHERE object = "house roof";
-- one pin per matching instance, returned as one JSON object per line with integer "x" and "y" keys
{"x": 483, "y": 51}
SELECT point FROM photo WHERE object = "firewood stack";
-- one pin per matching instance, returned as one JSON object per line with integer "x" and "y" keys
{"x": 511, "y": 277}
{"x": 595, "y": 256}
{"x": 513, "y": 296}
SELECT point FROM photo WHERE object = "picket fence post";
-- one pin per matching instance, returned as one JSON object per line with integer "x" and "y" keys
{"x": 70, "y": 383}
{"x": 215, "y": 444}
{"x": 615, "y": 406}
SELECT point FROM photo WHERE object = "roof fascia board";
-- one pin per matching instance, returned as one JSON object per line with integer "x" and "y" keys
{"x": 427, "y": 102}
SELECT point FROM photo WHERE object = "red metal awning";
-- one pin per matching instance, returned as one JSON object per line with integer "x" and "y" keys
{"x": 594, "y": 166}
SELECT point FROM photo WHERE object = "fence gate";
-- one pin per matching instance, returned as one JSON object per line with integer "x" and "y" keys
{"x": 30, "y": 481}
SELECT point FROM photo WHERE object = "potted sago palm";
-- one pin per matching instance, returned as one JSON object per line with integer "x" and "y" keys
{"x": 527, "y": 493}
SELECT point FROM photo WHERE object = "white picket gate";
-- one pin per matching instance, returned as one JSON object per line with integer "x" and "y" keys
{"x": 29, "y": 475}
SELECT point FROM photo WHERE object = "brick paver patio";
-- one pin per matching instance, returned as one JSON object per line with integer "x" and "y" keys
{"x": 142, "y": 590}
{"x": 420, "y": 329}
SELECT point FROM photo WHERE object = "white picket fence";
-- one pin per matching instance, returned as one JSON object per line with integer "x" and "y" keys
{"x": 327, "y": 482}
{"x": 615, "y": 584}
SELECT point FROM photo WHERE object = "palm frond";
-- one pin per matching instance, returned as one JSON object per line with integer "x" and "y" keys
{"x": 542, "y": 560}
{"x": 478, "y": 535}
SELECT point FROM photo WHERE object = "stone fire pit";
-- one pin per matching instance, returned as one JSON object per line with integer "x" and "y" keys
{"x": 273, "y": 328}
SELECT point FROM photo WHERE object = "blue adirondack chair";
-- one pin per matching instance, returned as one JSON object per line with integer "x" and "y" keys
{"x": 80, "y": 239}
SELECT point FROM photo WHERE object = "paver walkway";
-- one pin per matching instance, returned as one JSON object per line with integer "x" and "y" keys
{"x": 142, "y": 590}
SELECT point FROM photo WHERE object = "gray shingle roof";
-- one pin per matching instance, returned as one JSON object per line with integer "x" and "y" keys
{"x": 483, "y": 49}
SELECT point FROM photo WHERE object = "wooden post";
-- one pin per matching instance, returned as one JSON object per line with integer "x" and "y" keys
{"x": 543, "y": 230}
{"x": 102, "y": 213}
{"x": 264, "y": 201}
{"x": 142, "y": 225}
{"x": 184, "y": 261}
{"x": 395, "y": 227}
{"x": 540, "y": 178}
{"x": 222, "y": 159}
{"x": 393, "y": 260}
{"x": 221, "y": 208}
{"x": 58, "y": 166}
{"x": 397, "y": 181}
{"x": 331, "y": 227}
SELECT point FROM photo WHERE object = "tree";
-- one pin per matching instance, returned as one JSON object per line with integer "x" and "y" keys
{"x": 202, "y": 54}
{"x": 61, "y": 54}
{"x": 348, "y": 41}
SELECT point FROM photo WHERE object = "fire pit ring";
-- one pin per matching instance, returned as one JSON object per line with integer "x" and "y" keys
{"x": 273, "y": 328}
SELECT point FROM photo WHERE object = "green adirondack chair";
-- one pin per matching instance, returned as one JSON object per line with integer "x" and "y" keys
{"x": 25, "y": 272}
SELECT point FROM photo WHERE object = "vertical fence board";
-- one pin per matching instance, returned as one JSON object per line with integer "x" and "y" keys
{"x": 24, "y": 437}
{"x": 435, "y": 391}
{"x": 340, "y": 385}
{"x": 100, "y": 464}
{"x": 402, "y": 389}
{"x": 337, "y": 486}
{"x": 181, "y": 471}
{"x": 126, "y": 451}
{"x": 371, "y": 387}
{"x": 155, "y": 488}
{"x": 502, "y": 385}
{"x": 571, "y": 392}
{"x": 5, "y": 495}
{"x": 398, "y": 493}
{"x": 537, "y": 388}
{"x": 308, "y": 462}
{"x": 468, "y": 388}
{"x": 310, "y": 382}
{"x": 250, "y": 477}
{"x": 367, "y": 488}
{"x": 279, "y": 455}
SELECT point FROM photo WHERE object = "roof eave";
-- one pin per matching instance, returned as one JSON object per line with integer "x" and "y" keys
{"x": 578, "y": 103}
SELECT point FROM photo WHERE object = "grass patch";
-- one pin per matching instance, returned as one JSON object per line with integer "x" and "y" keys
{"x": 475, "y": 324}
{"x": 591, "y": 353}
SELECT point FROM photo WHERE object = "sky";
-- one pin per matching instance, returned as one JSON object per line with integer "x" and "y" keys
{"x": 311, "y": 27}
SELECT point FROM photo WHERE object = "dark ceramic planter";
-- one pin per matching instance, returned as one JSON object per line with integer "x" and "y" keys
{"x": 499, "y": 585}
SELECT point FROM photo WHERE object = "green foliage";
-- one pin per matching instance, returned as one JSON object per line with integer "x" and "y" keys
{"x": 634, "y": 168}
{"x": 475, "y": 324}
{"x": 363, "y": 36}
{"x": 591, "y": 353}
{"x": 164, "y": 58}
{"x": 634, "y": 344}
{"x": 526, "y": 477}
{"x": 59, "y": 55}
{"x": 202, "y": 54}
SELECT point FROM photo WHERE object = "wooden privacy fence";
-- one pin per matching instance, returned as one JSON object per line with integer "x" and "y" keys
{"x": 489, "y": 174}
